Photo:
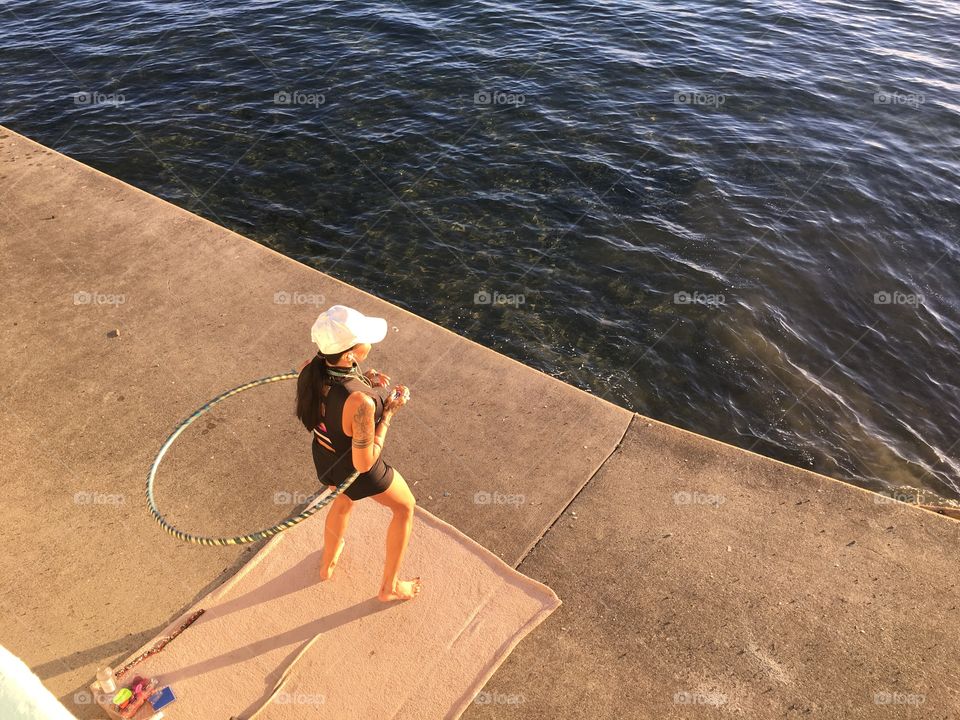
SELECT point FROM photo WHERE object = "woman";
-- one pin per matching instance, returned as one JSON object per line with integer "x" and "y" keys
{"x": 349, "y": 418}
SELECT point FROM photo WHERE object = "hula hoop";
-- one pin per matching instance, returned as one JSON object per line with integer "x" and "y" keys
{"x": 239, "y": 539}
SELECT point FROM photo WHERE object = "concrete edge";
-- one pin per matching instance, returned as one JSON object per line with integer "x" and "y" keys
{"x": 811, "y": 473}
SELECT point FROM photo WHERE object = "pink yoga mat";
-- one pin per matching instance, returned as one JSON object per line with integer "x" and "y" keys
{"x": 277, "y": 643}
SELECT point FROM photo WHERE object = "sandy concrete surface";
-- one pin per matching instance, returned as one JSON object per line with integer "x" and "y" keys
{"x": 276, "y": 644}
{"x": 824, "y": 601}
{"x": 702, "y": 581}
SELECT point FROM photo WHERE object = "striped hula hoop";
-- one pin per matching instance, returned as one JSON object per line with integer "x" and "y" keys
{"x": 239, "y": 539}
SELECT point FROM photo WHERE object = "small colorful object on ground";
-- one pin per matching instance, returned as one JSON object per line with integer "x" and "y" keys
{"x": 132, "y": 698}
{"x": 239, "y": 539}
{"x": 162, "y": 698}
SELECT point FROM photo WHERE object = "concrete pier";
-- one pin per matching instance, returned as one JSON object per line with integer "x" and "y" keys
{"x": 698, "y": 579}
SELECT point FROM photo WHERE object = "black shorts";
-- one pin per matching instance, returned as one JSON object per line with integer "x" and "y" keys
{"x": 333, "y": 471}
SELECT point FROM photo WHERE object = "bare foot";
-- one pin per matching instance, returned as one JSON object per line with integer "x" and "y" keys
{"x": 403, "y": 590}
{"x": 326, "y": 570}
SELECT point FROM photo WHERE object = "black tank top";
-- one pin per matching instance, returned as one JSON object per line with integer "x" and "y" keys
{"x": 330, "y": 428}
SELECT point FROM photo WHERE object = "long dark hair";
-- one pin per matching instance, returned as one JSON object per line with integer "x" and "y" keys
{"x": 310, "y": 387}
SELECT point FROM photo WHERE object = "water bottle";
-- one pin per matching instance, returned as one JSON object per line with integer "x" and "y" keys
{"x": 106, "y": 680}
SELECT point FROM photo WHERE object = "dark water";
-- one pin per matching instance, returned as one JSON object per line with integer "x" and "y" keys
{"x": 781, "y": 163}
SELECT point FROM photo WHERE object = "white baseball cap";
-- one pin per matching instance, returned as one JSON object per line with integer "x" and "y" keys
{"x": 341, "y": 327}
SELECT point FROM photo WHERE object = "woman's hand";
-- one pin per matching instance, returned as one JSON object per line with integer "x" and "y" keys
{"x": 397, "y": 399}
{"x": 377, "y": 378}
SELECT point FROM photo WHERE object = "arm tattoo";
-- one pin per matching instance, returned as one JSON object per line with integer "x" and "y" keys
{"x": 363, "y": 425}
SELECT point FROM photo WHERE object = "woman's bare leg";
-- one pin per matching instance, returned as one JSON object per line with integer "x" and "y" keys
{"x": 338, "y": 517}
{"x": 400, "y": 500}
